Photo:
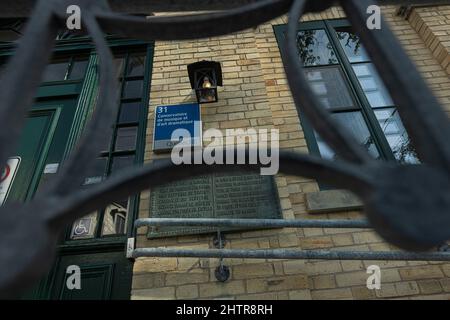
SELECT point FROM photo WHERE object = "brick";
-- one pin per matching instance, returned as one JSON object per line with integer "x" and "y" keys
{"x": 316, "y": 243}
{"x": 429, "y": 286}
{"x": 277, "y": 283}
{"x": 166, "y": 293}
{"x": 294, "y": 266}
{"x": 186, "y": 278}
{"x": 407, "y": 288}
{"x": 357, "y": 278}
{"x": 323, "y": 267}
{"x": 362, "y": 293}
{"x": 288, "y": 240}
{"x": 187, "y": 292}
{"x": 424, "y": 272}
{"x": 148, "y": 280}
{"x": 252, "y": 270}
{"x": 324, "y": 282}
{"x": 445, "y": 284}
{"x": 259, "y": 296}
{"x": 331, "y": 294}
{"x": 300, "y": 295}
{"x": 220, "y": 289}
{"x": 154, "y": 265}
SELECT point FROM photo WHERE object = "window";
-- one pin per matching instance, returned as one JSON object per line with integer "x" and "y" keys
{"x": 345, "y": 80}
{"x": 120, "y": 151}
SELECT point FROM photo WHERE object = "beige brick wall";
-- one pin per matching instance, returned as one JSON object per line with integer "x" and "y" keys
{"x": 256, "y": 94}
{"x": 432, "y": 25}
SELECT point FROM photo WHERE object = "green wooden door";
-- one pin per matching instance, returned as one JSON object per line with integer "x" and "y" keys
{"x": 104, "y": 275}
{"x": 41, "y": 146}
{"x": 64, "y": 102}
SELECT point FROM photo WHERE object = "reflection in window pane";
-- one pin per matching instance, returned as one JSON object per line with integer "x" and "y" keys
{"x": 115, "y": 218}
{"x": 126, "y": 138}
{"x": 78, "y": 69}
{"x": 352, "y": 45}
{"x": 372, "y": 85}
{"x": 330, "y": 87}
{"x": 396, "y": 135}
{"x": 315, "y": 48}
{"x": 136, "y": 63}
{"x": 55, "y": 71}
{"x": 132, "y": 89}
{"x": 355, "y": 124}
{"x": 84, "y": 227}
{"x": 122, "y": 162}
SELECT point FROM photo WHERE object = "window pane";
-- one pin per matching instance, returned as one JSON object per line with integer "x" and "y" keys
{"x": 132, "y": 89}
{"x": 126, "y": 138}
{"x": 330, "y": 87}
{"x": 352, "y": 45}
{"x": 355, "y": 124}
{"x": 136, "y": 63}
{"x": 115, "y": 218}
{"x": 56, "y": 71}
{"x": 98, "y": 172}
{"x": 121, "y": 162}
{"x": 129, "y": 112}
{"x": 315, "y": 48}
{"x": 396, "y": 135}
{"x": 78, "y": 69}
{"x": 84, "y": 227}
{"x": 372, "y": 85}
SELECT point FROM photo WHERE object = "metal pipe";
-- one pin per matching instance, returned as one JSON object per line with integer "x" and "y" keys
{"x": 291, "y": 254}
{"x": 252, "y": 223}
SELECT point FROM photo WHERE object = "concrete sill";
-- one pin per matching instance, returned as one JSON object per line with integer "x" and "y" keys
{"x": 332, "y": 201}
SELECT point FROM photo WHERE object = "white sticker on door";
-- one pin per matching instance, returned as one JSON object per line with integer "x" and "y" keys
{"x": 7, "y": 176}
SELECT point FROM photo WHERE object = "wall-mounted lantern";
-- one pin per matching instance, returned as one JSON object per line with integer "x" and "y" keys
{"x": 205, "y": 77}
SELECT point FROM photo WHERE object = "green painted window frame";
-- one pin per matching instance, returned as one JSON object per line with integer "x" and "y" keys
{"x": 87, "y": 89}
{"x": 355, "y": 88}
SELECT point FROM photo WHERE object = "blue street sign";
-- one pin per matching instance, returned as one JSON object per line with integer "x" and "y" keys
{"x": 170, "y": 118}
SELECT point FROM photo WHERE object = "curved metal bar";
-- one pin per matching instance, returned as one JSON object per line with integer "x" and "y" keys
{"x": 193, "y": 26}
{"x": 252, "y": 223}
{"x": 22, "y": 8}
{"x": 149, "y": 176}
{"x": 99, "y": 130}
{"x": 426, "y": 123}
{"x": 305, "y": 100}
{"x": 17, "y": 84}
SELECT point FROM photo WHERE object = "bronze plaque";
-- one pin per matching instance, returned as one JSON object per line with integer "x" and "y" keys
{"x": 214, "y": 196}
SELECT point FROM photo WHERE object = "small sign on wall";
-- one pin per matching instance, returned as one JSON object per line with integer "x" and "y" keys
{"x": 7, "y": 176}
{"x": 173, "y": 117}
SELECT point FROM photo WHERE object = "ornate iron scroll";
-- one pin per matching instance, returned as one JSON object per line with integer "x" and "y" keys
{"x": 409, "y": 205}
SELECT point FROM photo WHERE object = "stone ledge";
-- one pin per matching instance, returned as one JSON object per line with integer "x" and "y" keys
{"x": 332, "y": 201}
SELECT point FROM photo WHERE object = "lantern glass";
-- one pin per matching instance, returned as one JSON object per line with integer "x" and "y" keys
{"x": 205, "y": 76}
{"x": 206, "y": 95}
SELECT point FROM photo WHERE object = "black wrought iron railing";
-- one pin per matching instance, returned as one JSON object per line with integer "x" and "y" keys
{"x": 409, "y": 205}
